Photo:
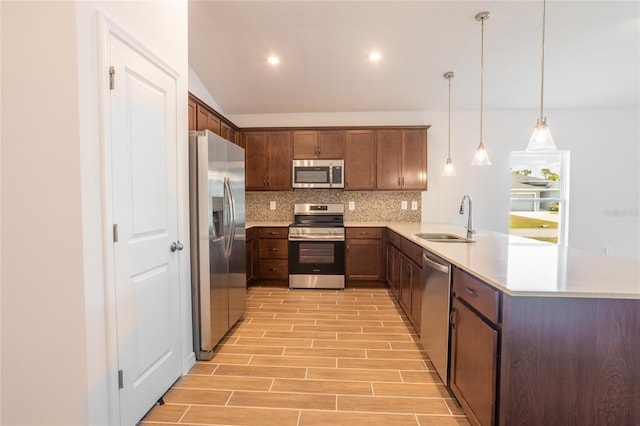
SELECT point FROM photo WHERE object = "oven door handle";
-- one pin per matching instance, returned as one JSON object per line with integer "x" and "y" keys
{"x": 316, "y": 238}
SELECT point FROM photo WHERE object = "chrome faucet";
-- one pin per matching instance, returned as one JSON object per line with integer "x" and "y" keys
{"x": 469, "y": 227}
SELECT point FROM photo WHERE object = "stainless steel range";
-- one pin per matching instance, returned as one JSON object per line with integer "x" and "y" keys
{"x": 317, "y": 246}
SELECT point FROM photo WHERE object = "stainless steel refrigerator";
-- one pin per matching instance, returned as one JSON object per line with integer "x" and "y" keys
{"x": 217, "y": 215}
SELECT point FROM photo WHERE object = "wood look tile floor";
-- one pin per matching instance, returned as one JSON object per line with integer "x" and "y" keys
{"x": 313, "y": 357}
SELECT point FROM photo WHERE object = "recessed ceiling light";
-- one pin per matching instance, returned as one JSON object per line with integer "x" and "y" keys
{"x": 375, "y": 56}
{"x": 273, "y": 60}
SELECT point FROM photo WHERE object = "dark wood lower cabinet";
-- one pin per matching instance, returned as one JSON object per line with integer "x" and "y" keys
{"x": 364, "y": 254}
{"x": 474, "y": 356}
{"x": 393, "y": 269}
{"x": 524, "y": 360}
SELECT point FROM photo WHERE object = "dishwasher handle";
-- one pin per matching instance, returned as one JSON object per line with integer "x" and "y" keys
{"x": 435, "y": 265}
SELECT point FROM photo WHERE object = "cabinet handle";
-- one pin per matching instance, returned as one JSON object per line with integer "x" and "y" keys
{"x": 399, "y": 181}
{"x": 273, "y": 269}
{"x": 402, "y": 180}
{"x": 471, "y": 292}
{"x": 272, "y": 233}
{"x": 347, "y": 249}
{"x": 264, "y": 182}
{"x": 364, "y": 233}
{"x": 273, "y": 249}
{"x": 451, "y": 318}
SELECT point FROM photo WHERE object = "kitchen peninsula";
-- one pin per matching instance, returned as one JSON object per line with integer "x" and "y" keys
{"x": 566, "y": 332}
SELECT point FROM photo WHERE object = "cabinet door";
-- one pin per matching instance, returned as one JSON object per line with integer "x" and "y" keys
{"x": 305, "y": 144}
{"x": 257, "y": 163}
{"x": 414, "y": 159}
{"x": 192, "y": 115}
{"x": 331, "y": 144}
{"x": 227, "y": 132}
{"x": 406, "y": 277}
{"x": 206, "y": 120}
{"x": 279, "y": 156}
{"x": 388, "y": 153}
{"x": 416, "y": 296}
{"x": 473, "y": 363}
{"x": 251, "y": 252}
{"x": 360, "y": 160}
{"x": 393, "y": 269}
{"x": 363, "y": 259}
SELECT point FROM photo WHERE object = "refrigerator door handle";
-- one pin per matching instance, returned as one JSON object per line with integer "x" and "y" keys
{"x": 229, "y": 195}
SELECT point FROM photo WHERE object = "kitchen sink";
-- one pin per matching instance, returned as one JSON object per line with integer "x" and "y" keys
{"x": 444, "y": 238}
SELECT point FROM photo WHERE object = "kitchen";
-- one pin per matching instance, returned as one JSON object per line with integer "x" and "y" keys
{"x": 74, "y": 365}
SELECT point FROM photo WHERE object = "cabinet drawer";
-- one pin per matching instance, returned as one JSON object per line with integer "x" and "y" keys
{"x": 368, "y": 233}
{"x": 273, "y": 233}
{"x": 481, "y": 297}
{"x": 274, "y": 269}
{"x": 411, "y": 250}
{"x": 394, "y": 238}
{"x": 273, "y": 249}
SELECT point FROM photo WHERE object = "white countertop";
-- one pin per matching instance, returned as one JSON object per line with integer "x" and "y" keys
{"x": 525, "y": 267}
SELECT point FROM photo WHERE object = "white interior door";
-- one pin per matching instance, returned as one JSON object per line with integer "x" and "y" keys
{"x": 144, "y": 181}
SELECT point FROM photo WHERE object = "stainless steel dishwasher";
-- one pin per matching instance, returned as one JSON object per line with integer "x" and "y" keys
{"x": 436, "y": 300}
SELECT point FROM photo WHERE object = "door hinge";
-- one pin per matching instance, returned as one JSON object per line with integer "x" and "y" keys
{"x": 115, "y": 232}
{"x": 112, "y": 73}
{"x": 120, "y": 380}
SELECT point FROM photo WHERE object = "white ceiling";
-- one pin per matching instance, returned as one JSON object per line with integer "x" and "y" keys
{"x": 592, "y": 54}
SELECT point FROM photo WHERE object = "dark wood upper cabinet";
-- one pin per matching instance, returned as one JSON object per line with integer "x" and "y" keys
{"x": 360, "y": 160}
{"x": 401, "y": 159}
{"x": 206, "y": 120}
{"x": 268, "y": 160}
{"x": 192, "y": 115}
{"x": 325, "y": 144}
{"x": 203, "y": 117}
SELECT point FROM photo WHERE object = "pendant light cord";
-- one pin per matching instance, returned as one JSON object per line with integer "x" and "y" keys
{"x": 481, "y": 74}
{"x": 544, "y": 7}
{"x": 449, "y": 141}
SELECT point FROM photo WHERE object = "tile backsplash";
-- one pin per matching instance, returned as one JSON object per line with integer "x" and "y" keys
{"x": 370, "y": 206}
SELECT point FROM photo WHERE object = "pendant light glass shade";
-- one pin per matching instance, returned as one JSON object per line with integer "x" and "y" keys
{"x": 541, "y": 139}
{"x": 449, "y": 170}
{"x": 481, "y": 157}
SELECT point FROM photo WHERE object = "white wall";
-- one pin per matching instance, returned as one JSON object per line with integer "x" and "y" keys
{"x": 55, "y": 356}
{"x": 604, "y": 192}
{"x": 197, "y": 87}
{"x": 44, "y": 363}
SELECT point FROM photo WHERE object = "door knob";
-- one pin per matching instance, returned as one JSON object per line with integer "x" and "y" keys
{"x": 176, "y": 246}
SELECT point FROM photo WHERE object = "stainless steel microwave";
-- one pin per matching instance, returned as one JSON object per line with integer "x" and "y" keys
{"x": 318, "y": 173}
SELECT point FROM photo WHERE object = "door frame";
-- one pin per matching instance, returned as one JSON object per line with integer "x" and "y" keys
{"x": 107, "y": 27}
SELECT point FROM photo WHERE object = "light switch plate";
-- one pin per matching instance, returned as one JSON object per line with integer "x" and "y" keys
{"x": 272, "y": 205}
{"x": 352, "y": 205}
{"x": 414, "y": 205}
{"x": 403, "y": 205}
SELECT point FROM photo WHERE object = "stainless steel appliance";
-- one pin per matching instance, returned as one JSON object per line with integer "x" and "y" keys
{"x": 436, "y": 300}
{"x": 318, "y": 173}
{"x": 317, "y": 246}
{"x": 217, "y": 214}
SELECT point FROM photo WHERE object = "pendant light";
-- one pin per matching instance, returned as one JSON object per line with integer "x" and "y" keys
{"x": 449, "y": 170}
{"x": 541, "y": 139}
{"x": 481, "y": 157}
